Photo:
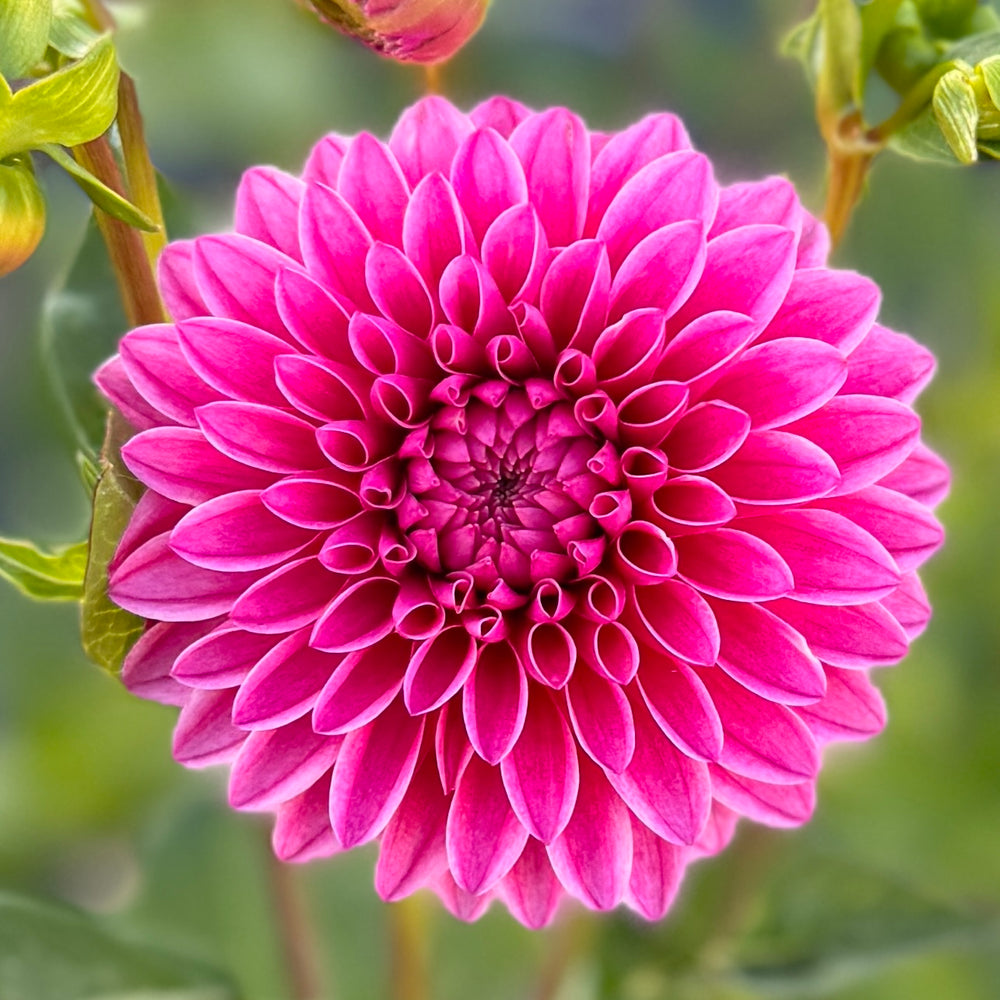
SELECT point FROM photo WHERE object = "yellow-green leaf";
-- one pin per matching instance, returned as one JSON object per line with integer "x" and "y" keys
{"x": 107, "y": 631}
{"x": 841, "y": 56}
{"x": 71, "y": 34}
{"x": 24, "y": 35}
{"x": 22, "y": 214}
{"x": 989, "y": 70}
{"x": 99, "y": 193}
{"x": 47, "y": 576}
{"x": 957, "y": 114}
{"x": 72, "y": 106}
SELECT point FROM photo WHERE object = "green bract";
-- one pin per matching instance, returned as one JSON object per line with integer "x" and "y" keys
{"x": 24, "y": 35}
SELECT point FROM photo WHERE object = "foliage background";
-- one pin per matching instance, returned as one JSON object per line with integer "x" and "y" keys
{"x": 892, "y": 892}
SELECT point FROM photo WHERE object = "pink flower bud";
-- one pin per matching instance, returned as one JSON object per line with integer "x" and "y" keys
{"x": 422, "y": 31}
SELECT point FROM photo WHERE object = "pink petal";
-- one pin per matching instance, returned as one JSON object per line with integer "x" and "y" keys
{"x": 647, "y": 415}
{"x": 291, "y": 596}
{"x": 592, "y": 857}
{"x": 283, "y": 685}
{"x": 204, "y": 734}
{"x": 471, "y": 300}
{"x": 734, "y": 565}
{"x": 176, "y": 281}
{"x": 484, "y": 837}
{"x": 681, "y": 706}
{"x": 439, "y": 666}
{"x": 781, "y": 806}
{"x": 221, "y": 659}
{"x": 766, "y": 655}
{"x": 372, "y": 773}
{"x": 452, "y": 749}
{"x": 626, "y": 353}
{"x": 922, "y": 475}
{"x": 664, "y": 788}
{"x": 832, "y": 559}
{"x": 575, "y": 294}
{"x": 542, "y": 774}
{"x": 705, "y": 345}
{"x": 325, "y": 158}
{"x": 706, "y": 435}
{"x": 495, "y": 702}
{"x": 909, "y": 606}
{"x": 763, "y": 740}
{"x": 500, "y": 113}
{"x": 645, "y": 553}
{"x": 853, "y": 709}
{"x": 267, "y": 208}
{"x": 657, "y": 869}
{"x": 554, "y": 148}
{"x": 359, "y": 616}
{"x": 148, "y": 666}
{"x": 609, "y": 648}
{"x": 323, "y": 390}
{"x": 675, "y": 617}
{"x": 113, "y": 381}
{"x": 427, "y": 136}
{"x": 772, "y": 199}
{"x": 889, "y": 364}
{"x": 516, "y": 253}
{"x": 276, "y": 765}
{"x": 261, "y": 436}
{"x": 530, "y": 888}
{"x": 692, "y": 500}
{"x": 435, "y": 230}
{"x": 371, "y": 182}
{"x": 302, "y": 825}
{"x": 398, "y": 290}
{"x": 602, "y": 719}
{"x": 313, "y": 316}
{"x": 312, "y": 502}
{"x": 867, "y": 436}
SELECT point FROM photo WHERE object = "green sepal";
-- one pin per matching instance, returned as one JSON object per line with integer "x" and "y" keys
{"x": 957, "y": 114}
{"x": 71, "y": 34}
{"x": 107, "y": 631}
{"x": 24, "y": 35}
{"x": 922, "y": 140}
{"x": 841, "y": 56}
{"x": 99, "y": 193}
{"x": 989, "y": 70}
{"x": 878, "y": 18}
{"x": 46, "y": 576}
{"x": 74, "y": 105}
{"x": 22, "y": 213}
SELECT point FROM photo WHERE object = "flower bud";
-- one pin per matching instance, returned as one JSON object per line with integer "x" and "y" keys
{"x": 422, "y": 31}
{"x": 22, "y": 213}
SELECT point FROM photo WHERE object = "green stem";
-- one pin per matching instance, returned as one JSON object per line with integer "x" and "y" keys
{"x": 572, "y": 939}
{"x": 409, "y": 950}
{"x": 297, "y": 938}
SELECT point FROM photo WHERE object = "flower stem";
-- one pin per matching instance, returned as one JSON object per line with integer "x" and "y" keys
{"x": 432, "y": 79}
{"x": 410, "y": 952}
{"x": 132, "y": 267}
{"x": 295, "y": 932}
{"x": 849, "y": 157}
{"x": 571, "y": 940}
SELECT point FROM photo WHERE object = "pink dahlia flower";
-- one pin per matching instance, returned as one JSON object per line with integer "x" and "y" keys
{"x": 521, "y": 499}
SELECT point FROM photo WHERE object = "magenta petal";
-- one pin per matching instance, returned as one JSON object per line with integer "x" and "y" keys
{"x": 236, "y": 532}
{"x": 667, "y": 790}
{"x": 176, "y": 281}
{"x": 113, "y": 381}
{"x": 575, "y": 294}
{"x": 922, "y": 476}
{"x": 204, "y": 734}
{"x": 500, "y": 113}
{"x": 398, "y": 290}
{"x": 371, "y": 182}
{"x": 781, "y": 380}
{"x": 372, "y": 773}
{"x": 427, "y": 136}
{"x": 836, "y": 307}
{"x": 657, "y": 869}
{"x": 706, "y": 435}
{"x": 302, "y": 825}
{"x": 291, "y": 596}
{"x": 775, "y": 467}
{"x": 853, "y": 709}
{"x": 626, "y": 354}
{"x": 283, "y": 685}
{"x": 781, "y": 806}
{"x": 675, "y": 617}
{"x": 435, "y": 230}
{"x": 609, "y": 648}
{"x": 734, "y": 565}
{"x": 772, "y": 199}
{"x": 362, "y": 685}
{"x": 359, "y": 616}
{"x": 153, "y": 515}
{"x": 236, "y": 275}
{"x": 488, "y": 178}
{"x": 530, "y": 888}
{"x": 452, "y": 749}
{"x": 763, "y": 740}
{"x": 261, "y": 436}
{"x": 267, "y": 208}
{"x": 909, "y": 606}
{"x": 682, "y": 707}
{"x": 484, "y": 837}
{"x": 832, "y": 559}
{"x": 412, "y": 850}
{"x": 312, "y": 314}
{"x": 495, "y": 702}
{"x": 222, "y": 659}
{"x": 439, "y": 667}
{"x": 673, "y": 188}
{"x": 324, "y": 160}
{"x": 149, "y": 664}
{"x": 154, "y": 582}
{"x": 516, "y": 253}
{"x": 312, "y": 502}
{"x": 276, "y": 765}
{"x": 554, "y": 148}
{"x": 692, "y": 500}
{"x": 705, "y": 345}
{"x": 766, "y": 655}
{"x": 542, "y": 774}
{"x": 592, "y": 857}
{"x": 602, "y": 719}
{"x": 889, "y": 364}
{"x": 323, "y": 390}
{"x": 867, "y": 436}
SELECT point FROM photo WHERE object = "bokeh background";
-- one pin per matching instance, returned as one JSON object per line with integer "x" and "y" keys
{"x": 893, "y": 891}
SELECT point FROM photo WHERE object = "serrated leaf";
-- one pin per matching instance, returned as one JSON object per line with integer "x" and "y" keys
{"x": 841, "y": 55}
{"x": 107, "y": 631}
{"x": 878, "y": 17}
{"x": 71, "y": 34}
{"x": 24, "y": 35}
{"x": 957, "y": 115}
{"x": 47, "y": 576}
{"x": 74, "y": 105}
{"x": 99, "y": 193}
{"x": 51, "y": 952}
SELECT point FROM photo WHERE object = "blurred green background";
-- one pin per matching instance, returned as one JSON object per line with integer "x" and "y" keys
{"x": 893, "y": 891}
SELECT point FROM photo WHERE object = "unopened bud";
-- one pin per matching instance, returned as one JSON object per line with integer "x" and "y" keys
{"x": 22, "y": 213}
{"x": 422, "y": 31}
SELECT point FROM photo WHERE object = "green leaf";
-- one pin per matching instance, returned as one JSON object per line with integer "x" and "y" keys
{"x": 82, "y": 320}
{"x": 52, "y": 952}
{"x": 957, "y": 115}
{"x": 922, "y": 140}
{"x": 74, "y": 105}
{"x": 24, "y": 35}
{"x": 47, "y": 576}
{"x": 975, "y": 48}
{"x": 804, "y": 43}
{"x": 841, "y": 56}
{"x": 99, "y": 193}
{"x": 989, "y": 70}
{"x": 71, "y": 34}
{"x": 107, "y": 631}
{"x": 878, "y": 17}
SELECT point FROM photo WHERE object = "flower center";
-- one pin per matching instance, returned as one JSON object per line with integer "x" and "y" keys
{"x": 499, "y": 489}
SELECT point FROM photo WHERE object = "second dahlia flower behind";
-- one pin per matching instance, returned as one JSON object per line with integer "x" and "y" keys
{"x": 522, "y": 499}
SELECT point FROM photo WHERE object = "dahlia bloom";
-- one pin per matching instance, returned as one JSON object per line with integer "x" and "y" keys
{"x": 522, "y": 499}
